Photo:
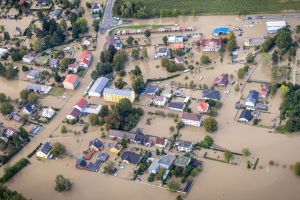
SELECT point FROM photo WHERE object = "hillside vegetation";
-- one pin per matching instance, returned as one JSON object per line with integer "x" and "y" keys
{"x": 172, "y": 8}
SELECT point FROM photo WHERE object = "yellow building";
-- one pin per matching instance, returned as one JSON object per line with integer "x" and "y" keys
{"x": 115, "y": 95}
{"x": 117, "y": 148}
{"x": 44, "y": 151}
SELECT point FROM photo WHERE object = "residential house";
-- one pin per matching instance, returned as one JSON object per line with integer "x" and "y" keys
{"x": 96, "y": 8}
{"x": 177, "y": 46}
{"x": 71, "y": 82}
{"x": 43, "y": 89}
{"x": 160, "y": 101}
{"x": 252, "y": 98}
{"x": 253, "y": 42}
{"x": 18, "y": 32}
{"x": 54, "y": 63}
{"x": 191, "y": 119}
{"x": 102, "y": 157}
{"x": 121, "y": 134}
{"x": 166, "y": 161}
{"x": 164, "y": 52}
{"x": 142, "y": 139}
{"x": 220, "y": 31}
{"x": 115, "y": 95}
{"x": 154, "y": 167}
{"x": 161, "y": 142}
{"x": 44, "y": 151}
{"x": 184, "y": 146}
{"x": 81, "y": 104}
{"x": 3, "y": 52}
{"x": 182, "y": 161}
{"x": 29, "y": 109}
{"x": 88, "y": 154}
{"x": 117, "y": 148}
{"x": 211, "y": 45}
{"x": 55, "y": 13}
{"x": 261, "y": 106}
{"x": 175, "y": 39}
{"x": 81, "y": 164}
{"x": 73, "y": 67}
{"x": 13, "y": 115}
{"x": 92, "y": 109}
{"x": 264, "y": 90}
{"x": 222, "y": 80}
{"x": 178, "y": 106}
{"x": 179, "y": 60}
{"x": 245, "y": 116}
{"x": 115, "y": 41}
{"x": 211, "y": 95}
{"x": 34, "y": 74}
{"x": 85, "y": 59}
{"x": 44, "y": 2}
{"x": 9, "y": 132}
{"x": 41, "y": 60}
{"x": 150, "y": 90}
{"x": 96, "y": 145}
{"x": 131, "y": 157}
{"x": 74, "y": 114}
{"x": 202, "y": 107}
{"x": 28, "y": 59}
{"x": 98, "y": 87}
{"x": 48, "y": 112}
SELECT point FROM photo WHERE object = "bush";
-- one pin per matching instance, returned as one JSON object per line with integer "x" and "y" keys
{"x": 63, "y": 129}
{"x": 58, "y": 149}
{"x": 25, "y": 68}
{"x": 62, "y": 184}
{"x": 151, "y": 178}
{"x": 228, "y": 155}
{"x": 207, "y": 142}
{"x": 297, "y": 168}
{"x": 205, "y": 60}
{"x": 10, "y": 171}
{"x": 173, "y": 185}
{"x": 210, "y": 124}
{"x": 246, "y": 152}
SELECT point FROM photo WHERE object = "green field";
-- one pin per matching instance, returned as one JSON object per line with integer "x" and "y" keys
{"x": 165, "y": 8}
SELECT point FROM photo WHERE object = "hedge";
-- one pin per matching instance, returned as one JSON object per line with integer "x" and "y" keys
{"x": 10, "y": 171}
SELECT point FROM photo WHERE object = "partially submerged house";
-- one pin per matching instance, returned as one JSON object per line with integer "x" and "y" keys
{"x": 274, "y": 26}
{"x": 160, "y": 101}
{"x": 34, "y": 74}
{"x": 178, "y": 106}
{"x": 150, "y": 90}
{"x": 44, "y": 151}
{"x": 74, "y": 114}
{"x": 253, "y": 42}
{"x": 115, "y": 95}
{"x": 48, "y": 112}
{"x": 211, "y": 45}
{"x": 121, "y": 134}
{"x": 184, "y": 146}
{"x": 114, "y": 41}
{"x": 117, "y": 148}
{"x": 29, "y": 109}
{"x": 222, "y": 80}
{"x": 220, "y": 31}
{"x": 211, "y": 95}
{"x": 182, "y": 161}
{"x": 164, "y": 52}
{"x": 131, "y": 157}
{"x": 85, "y": 59}
{"x": 245, "y": 116}
{"x": 252, "y": 98}
{"x": 166, "y": 161}
{"x": 71, "y": 82}
{"x": 98, "y": 87}
{"x": 202, "y": 107}
{"x": 96, "y": 144}
{"x": 191, "y": 119}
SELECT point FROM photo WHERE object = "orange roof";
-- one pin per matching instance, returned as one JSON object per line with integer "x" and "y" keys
{"x": 178, "y": 46}
{"x": 71, "y": 78}
{"x": 85, "y": 54}
{"x": 202, "y": 106}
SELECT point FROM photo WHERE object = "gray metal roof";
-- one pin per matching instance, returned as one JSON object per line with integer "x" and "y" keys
{"x": 119, "y": 92}
{"x": 99, "y": 85}
{"x": 167, "y": 159}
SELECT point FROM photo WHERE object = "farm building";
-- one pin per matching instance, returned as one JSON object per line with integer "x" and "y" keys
{"x": 98, "y": 87}
{"x": 253, "y": 42}
{"x": 43, "y": 89}
{"x": 115, "y": 95}
{"x": 274, "y": 26}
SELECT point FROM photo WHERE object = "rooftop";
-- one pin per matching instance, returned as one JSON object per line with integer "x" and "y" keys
{"x": 182, "y": 161}
{"x": 71, "y": 78}
{"x": 191, "y": 116}
{"x": 119, "y": 92}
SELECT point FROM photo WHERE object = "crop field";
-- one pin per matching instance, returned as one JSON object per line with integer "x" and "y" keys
{"x": 159, "y": 8}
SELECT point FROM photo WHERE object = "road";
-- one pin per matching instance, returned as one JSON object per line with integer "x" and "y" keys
{"x": 108, "y": 21}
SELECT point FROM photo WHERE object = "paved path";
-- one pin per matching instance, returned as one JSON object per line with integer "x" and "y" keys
{"x": 108, "y": 21}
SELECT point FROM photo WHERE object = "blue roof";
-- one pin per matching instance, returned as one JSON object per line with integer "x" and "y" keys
{"x": 97, "y": 143}
{"x": 150, "y": 90}
{"x": 220, "y": 30}
{"x": 212, "y": 94}
{"x": 253, "y": 96}
{"x": 119, "y": 92}
{"x": 131, "y": 157}
{"x": 99, "y": 85}
{"x": 178, "y": 105}
{"x": 246, "y": 114}
{"x": 46, "y": 148}
{"x": 102, "y": 157}
{"x": 30, "y": 107}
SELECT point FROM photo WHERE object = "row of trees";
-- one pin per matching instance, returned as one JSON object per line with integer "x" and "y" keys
{"x": 8, "y": 71}
{"x": 171, "y": 66}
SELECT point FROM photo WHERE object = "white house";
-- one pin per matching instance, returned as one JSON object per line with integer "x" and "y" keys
{"x": 3, "y": 52}
{"x": 191, "y": 119}
{"x": 48, "y": 112}
{"x": 175, "y": 39}
{"x": 160, "y": 100}
{"x": 98, "y": 87}
{"x": 28, "y": 59}
{"x": 85, "y": 59}
{"x": 274, "y": 26}
{"x": 163, "y": 52}
{"x": 184, "y": 146}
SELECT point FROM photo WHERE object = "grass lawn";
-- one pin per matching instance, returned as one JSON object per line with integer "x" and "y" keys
{"x": 158, "y": 8}
{"x": 56, "y": 91}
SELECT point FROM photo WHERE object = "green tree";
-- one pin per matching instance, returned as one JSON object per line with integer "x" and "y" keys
{"x": 147, "y": 34}
{"x": 65, "y": 62}
{"x": 246, "y": 152}
{"x": 7, "y": 194}
{"x": 104, "y": 111}
{"x": 58, "y": 149}
{"x": 135, "y": 53}
{"x": 129, "y": 40}
{"x": 297, "y": 168}
{"x": 228, "y": 155}
{"x": 96, "y": 24}
{"x": 24, "y": 94}
{"x": 241, "y": 73}
{"x": 63, "y": 129}
{"x": 62, "y": 183}
{"x": 210, "y": 124}
{"x": 136, "y": 71}
{"x": 173, "y": 185}
{"x": 75, "y": 31}
{"x": 250, "y": 58}
{"x": 120, "y": 83}
{"x": 165, "y": 40}
{"x": 82, "y": 25}
{"x": 284, "y": 90}
{"x": 6, "y": 36}
{"x": 109, "y": 167}
{"x": 231, "y": 42}
{"x": 124, "y": 143}
{"x": 2, "y": 97}
{"x": 93, "y": 119}
{"x": 207, "y": 142}
{"x": 33, "y": 98}
{"x": 138, "y": 84}
{"x": 179, "y": 125}
{"x": 37, "y": 45}
{"x": 205, "y": 60}
{"x": 275, "y": 58}
{"x": 6, "y": 108}
{"x": 284, "y": 39}
{"x": 145, "y": 53}
{"x": 10, "y": 72}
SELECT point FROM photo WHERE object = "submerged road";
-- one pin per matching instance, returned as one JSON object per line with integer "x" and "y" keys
{"x": 108, "y": 21}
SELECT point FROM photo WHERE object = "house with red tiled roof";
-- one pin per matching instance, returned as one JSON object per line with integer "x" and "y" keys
{"x": 71, "y": 82}
{"x": 179, "y": 60}
{"x": 222, "y": 80}
{"x": 74, "y": 114}
{"x": 212, "y": 45}
{"x": 178, "y": 46}
{"x": 81, "y": 104}
{"x": 85, "y": 59}
{"x": 73, "y": 67}
{"x": 10, "y": 132}
{"x": 202, "y": 107}
{"x": 264, "y": 90}
{"x": 161, "y": 142}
